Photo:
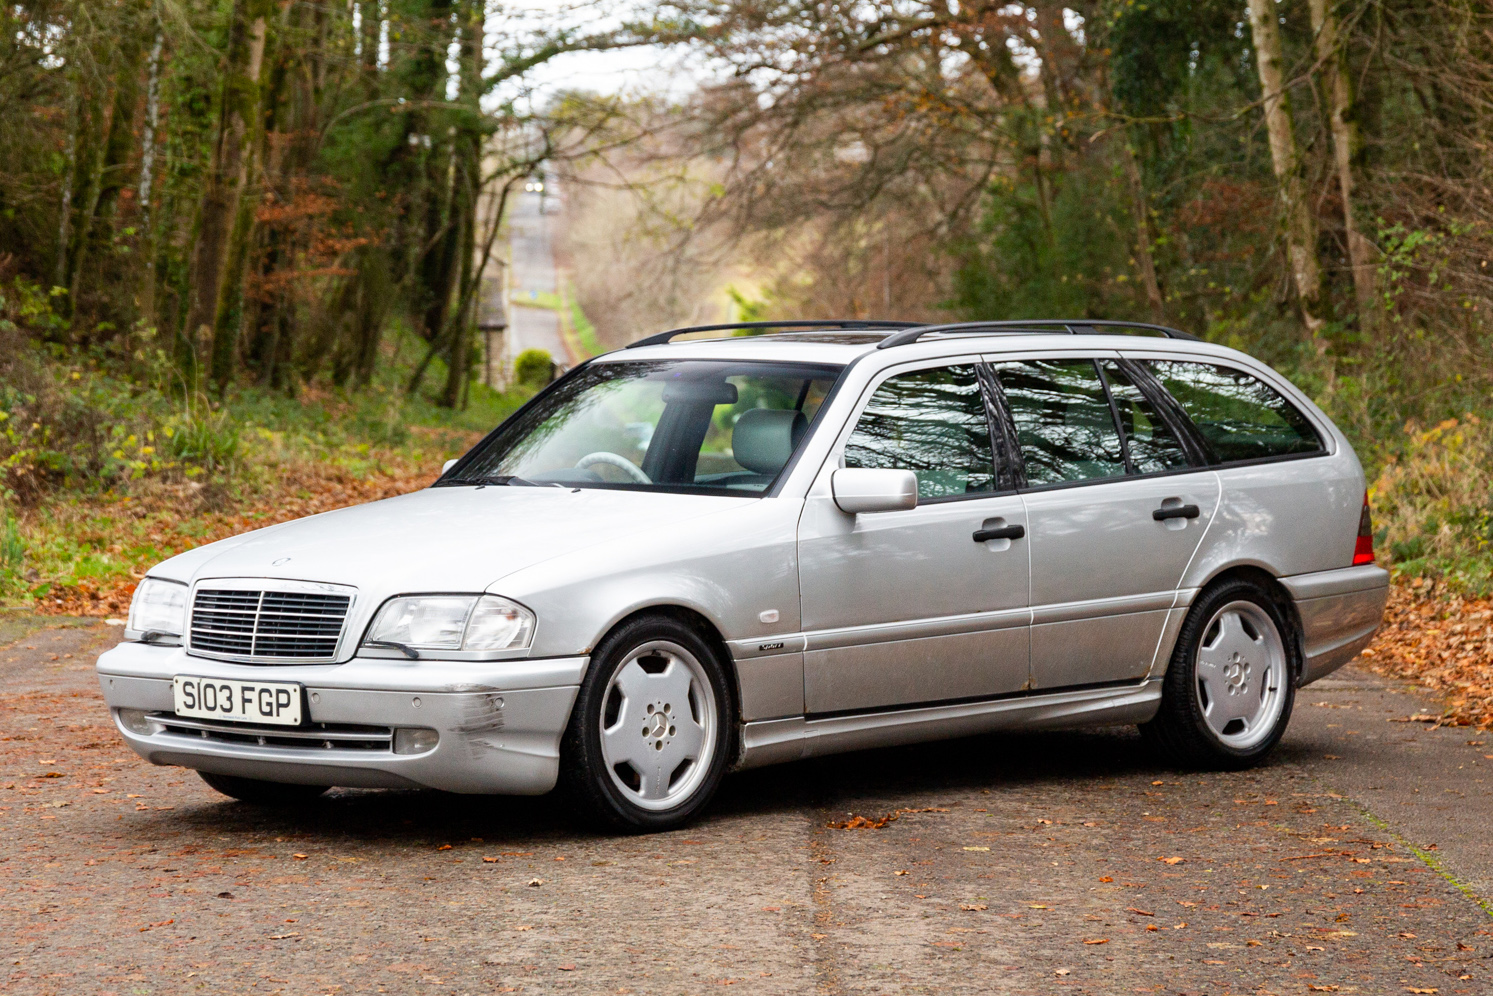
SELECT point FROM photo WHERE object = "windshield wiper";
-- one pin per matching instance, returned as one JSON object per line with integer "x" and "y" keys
{"x": 408, "y": 651}
{"x": 512, "y": 481}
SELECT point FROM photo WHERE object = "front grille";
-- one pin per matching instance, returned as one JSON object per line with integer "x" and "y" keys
{"x": 315, "y": 737}
{"x": 268, "y": 625}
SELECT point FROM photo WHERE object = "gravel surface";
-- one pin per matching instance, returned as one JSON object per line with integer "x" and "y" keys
{"x": 1359, "y": 860}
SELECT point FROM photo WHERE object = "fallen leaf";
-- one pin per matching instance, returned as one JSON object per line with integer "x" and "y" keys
{"x": 1132, "y": 909}
{"x": 490, "y": 861}
{"x": 819, "y": 937}
{"x": 977, "y": 848}
{"x": 863, "y": 823}
{"x": 535, "y": 883}
{"x": 300, "y": 857}
{"x": 1414, "y": 990}
{"x": 1098, "y": 940}
{"x": 281, "y": 937}
{"x": 444, "y": 847}
{"x": 1321, "y": 989}
{"x": 567, "y": 968}
{"x": 1171, "y": 861}
{"x": 973, "y": 907}
{"x": 1106, "y": 878}
{"x": 902, "y": 872}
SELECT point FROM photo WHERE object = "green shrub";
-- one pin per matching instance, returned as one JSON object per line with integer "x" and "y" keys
{"x": 534, "y": 368}
{"x": 12, "y": 551}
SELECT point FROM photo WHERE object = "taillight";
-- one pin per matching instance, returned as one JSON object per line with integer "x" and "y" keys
{"x": 1363, "y": 548}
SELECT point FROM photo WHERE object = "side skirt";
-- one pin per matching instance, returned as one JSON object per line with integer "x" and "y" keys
{"x": 772, "y": 741}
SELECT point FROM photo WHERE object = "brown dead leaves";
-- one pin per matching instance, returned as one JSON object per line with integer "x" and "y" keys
{"x": 1443, "y": 641}
{"x": 858, "y": 822}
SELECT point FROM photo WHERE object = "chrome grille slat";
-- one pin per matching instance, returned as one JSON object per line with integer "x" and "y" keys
{"x": 318, "y": 737}
{"x": 266, "y": 626}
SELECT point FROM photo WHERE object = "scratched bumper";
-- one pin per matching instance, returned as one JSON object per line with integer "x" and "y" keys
{"x": 500, "y": 723}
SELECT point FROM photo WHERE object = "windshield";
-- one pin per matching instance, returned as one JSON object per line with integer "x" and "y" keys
{"x": 685, "y": 425}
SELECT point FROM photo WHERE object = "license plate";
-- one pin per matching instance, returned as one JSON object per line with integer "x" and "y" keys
{"x": 275, "y": 702}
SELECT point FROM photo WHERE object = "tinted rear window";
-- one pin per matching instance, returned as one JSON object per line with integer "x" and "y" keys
{"x": 1240, "y": 416}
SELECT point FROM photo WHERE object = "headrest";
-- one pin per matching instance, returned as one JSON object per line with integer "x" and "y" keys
{"x": 764, "y": 438}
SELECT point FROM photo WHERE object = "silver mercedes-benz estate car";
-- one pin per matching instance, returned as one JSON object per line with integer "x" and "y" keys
{"x": 696, "y": 556}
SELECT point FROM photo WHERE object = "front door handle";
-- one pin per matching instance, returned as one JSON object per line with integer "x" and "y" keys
{"x": 1176, "y": 512}
{"x": 1000, "y": 532}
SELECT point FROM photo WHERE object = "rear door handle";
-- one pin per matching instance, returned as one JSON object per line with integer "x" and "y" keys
{"x": 1000, "y": 532}
{"x": 1176, "y": 512}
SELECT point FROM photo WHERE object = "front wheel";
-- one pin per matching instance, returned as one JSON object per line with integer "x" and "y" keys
{"x": 262, "y": 793}
{"x": 1229, "y": 689}
{"x": 652, "y": 729}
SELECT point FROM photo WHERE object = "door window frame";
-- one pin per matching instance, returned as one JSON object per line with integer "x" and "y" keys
{"x": 1007, "y": 474}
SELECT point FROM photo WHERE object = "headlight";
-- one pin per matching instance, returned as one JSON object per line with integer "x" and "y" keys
{"x": 451, "y": 622}
{"x": 159, "y": 606}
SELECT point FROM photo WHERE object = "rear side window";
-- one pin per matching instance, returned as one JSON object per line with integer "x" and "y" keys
{"x": 931, "y": 422}
{"x": 1153, "y": 446}
{"x": 1240, "y": 416}
{"x": 1063, "y": 421}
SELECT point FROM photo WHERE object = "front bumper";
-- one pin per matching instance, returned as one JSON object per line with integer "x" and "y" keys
{"x": 1340, "y": 613}
{"x": 500, "y": 722}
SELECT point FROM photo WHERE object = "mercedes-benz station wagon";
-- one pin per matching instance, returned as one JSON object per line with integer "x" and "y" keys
{"x": 689, "y": 557}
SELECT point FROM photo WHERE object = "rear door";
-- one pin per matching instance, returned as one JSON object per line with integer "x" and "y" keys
{"x": 1117, "y": 500}
{"x": 907, "y": 607}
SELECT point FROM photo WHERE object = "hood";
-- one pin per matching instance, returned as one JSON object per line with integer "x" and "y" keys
{"x": 441, "y": 539}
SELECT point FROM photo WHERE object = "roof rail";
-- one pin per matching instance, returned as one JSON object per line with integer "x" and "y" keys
{"x": 849, "y": 324}
{"x": 1084, "y": 326}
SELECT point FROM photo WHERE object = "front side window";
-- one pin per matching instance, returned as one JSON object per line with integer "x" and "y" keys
{"x": 1151, "y": 443}
{"x": 682, "y": 425}
{"x": 1063, "y": 421}
{"x": 1239, "y": 416}
{"x": 931, "y": 422}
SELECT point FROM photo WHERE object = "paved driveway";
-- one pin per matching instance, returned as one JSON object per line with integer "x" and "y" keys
{"x": 1043, "y": 864}
{"x": 533, "y": 272}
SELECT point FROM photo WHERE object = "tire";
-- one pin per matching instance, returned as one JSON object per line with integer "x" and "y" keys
{"x": 262, "y": 793}
{"x": 1229, "y": 689}
{"x": 653, "y": 728}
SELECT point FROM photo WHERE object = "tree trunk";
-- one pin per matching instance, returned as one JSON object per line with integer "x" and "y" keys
{"x": 1300, "y": 227}
{"x": 69, "y": 167}
{"x": 147, "y": 305}
{"x": 468, "y": 152}
{"x": 1142, "y": 211}
{"x": 1333, "y": 56}
{"x": 118, "y": 150}
{"x": 219, "y": 217}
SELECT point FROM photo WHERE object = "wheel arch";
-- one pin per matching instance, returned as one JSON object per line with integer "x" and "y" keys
{"x": 707, "y": 631}
{"x": 1278, "y": 594}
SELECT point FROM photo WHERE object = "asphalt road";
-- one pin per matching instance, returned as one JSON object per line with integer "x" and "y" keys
{"x": 533, "y": 272}
{"x": 1358, "y": 860}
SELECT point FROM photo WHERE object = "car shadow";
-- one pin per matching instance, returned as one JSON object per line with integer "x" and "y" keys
{"x": 871, "y": 782}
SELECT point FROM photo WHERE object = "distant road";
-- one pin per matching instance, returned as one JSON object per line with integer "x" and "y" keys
{"x": 533, "y": 272}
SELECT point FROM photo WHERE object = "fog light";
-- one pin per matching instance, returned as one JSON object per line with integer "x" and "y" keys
{"x": 415, "y": 741}
{"x": 136, "y": 721}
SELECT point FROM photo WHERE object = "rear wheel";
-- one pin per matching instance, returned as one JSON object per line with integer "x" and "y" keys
{"x": 262, "y": 793}
{"x": 651, "y": 732}
{"x": 1228, "y": 692}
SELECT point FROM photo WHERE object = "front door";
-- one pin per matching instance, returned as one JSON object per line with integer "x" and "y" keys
{"x": 908, "y": 607}
{"x": 1116, "y": 507}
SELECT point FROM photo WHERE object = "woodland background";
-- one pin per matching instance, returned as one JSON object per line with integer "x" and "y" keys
{"x": 242, "y": 241}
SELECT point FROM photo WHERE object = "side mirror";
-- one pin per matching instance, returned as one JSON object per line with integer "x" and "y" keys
{"x": 859, "y": 489}
{"x": 448, "y": 465}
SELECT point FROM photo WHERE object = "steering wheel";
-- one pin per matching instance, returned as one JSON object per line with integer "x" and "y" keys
{"x": 623, "y": 464}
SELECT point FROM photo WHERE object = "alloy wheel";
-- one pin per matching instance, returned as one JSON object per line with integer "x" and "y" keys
{"x": 1241, "y": 674}
{"x": 658, "y": 725}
